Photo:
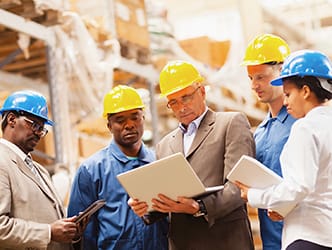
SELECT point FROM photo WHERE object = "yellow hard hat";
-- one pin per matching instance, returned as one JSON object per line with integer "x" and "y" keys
{"x": 121, "y": 98}
{"x": 177, "y": 75}
{"x": 264, "y": 49}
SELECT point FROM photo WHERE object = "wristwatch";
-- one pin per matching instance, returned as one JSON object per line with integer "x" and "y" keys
{"x": 202, "y": 209}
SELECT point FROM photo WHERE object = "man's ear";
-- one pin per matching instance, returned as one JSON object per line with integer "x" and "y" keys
{"x": 11, "y": 119}
{"x": 109, "y": 125}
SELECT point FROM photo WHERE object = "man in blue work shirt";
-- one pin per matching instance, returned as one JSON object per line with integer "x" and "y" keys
{"x": 264, "y": 57}
{"x": 115, "y": 226}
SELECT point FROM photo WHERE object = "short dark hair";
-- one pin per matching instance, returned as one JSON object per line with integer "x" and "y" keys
{"x": 4, "y": 121}
{"x": 273, "y": 63}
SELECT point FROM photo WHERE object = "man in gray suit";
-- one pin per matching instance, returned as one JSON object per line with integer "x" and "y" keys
{"x": 212, "y": 142}
{"x": 31, "y": 214}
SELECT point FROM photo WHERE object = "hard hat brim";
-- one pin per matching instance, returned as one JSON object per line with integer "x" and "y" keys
{"x": 47, "y": 121}
{"x": 280, "y": 80}
{"x": 199, "y": 79}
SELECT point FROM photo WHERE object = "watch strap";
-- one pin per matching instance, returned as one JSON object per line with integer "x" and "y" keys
{"x": 202, "y": 209}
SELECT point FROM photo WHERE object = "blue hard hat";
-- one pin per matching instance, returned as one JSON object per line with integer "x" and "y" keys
{"x": 305, "y": 63}
{"x": 27, "y": 101}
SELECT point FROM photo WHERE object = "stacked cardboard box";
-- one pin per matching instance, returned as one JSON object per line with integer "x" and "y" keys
{"x": 208, "y": 51}
{"x": 132, "y": 30}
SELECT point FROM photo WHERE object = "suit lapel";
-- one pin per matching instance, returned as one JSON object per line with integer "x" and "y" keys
{"x": 203, "y": 130}
{"x": 25, "y": 169}
{"x": 49, "y": 191}
{"x": 176, "y": 144}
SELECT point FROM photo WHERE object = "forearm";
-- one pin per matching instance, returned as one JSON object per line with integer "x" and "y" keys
{"x": 16, "y": 232}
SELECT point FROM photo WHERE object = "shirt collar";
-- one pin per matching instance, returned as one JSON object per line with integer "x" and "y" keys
{"x": 195, "y": 124}
{"x": 13, "y": 147}
{"x": 143, "y": 154}
{"x": 282, "y": 115}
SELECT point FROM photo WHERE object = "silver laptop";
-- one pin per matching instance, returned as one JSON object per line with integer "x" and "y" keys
{"x": 171, "y": 176}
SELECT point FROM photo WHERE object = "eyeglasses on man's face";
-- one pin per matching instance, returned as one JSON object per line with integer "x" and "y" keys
{"x": 35, "y": 127}
{"x": 185, "y": 99}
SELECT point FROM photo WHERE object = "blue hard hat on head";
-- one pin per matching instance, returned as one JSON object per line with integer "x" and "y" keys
{"x": 305, "y": 63}
{"x": 27, "y": 101}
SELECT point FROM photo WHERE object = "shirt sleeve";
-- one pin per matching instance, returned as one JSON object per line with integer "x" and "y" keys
{"x": 83, "y": 193}
{"x": 299, "y": 162}
{"x": 49, "y": 234}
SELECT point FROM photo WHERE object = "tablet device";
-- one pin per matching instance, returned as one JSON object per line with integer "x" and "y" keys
{"x": 252, "y": 173}
{"x": 94, "y": 207}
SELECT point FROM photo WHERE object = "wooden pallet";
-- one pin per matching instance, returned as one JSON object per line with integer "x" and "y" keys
{"x": 130, "y": 50}
{"x": 27, "y": 9}
{"x": 11, "y": 57}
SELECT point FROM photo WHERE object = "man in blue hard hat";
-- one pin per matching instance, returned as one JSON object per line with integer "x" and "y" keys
{"x": 31, "y": 213}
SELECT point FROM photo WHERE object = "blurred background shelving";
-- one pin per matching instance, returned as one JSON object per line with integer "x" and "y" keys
{"x": 74, "y": 51}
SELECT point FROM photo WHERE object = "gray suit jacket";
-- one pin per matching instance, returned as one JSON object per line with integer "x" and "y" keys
{"x": 26, "y": 206}
{"x": 221, "y": 139}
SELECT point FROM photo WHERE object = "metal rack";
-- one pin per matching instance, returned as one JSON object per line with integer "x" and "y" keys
{"x": 63, "y": 144}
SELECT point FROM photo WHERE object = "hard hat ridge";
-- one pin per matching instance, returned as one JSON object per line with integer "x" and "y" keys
{"x": 307, "y": 63}
{"x": 266, "y": 48}
{"x": 177, "y": 75}
{"x": 121, "y": 98}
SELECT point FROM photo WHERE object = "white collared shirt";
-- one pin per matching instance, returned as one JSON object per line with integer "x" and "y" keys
{"x": 306, "y": 163}
{"x": 190, "y": 133}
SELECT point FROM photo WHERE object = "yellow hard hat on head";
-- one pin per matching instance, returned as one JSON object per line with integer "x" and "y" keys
{"x": 264, "y": 49}
{"x": 177, "y": 75}
{"x": 121, "y": 98}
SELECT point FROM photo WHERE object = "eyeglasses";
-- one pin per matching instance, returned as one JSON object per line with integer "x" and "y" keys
{"x": 184, "y": 100}
{"x": 35, "y": 127}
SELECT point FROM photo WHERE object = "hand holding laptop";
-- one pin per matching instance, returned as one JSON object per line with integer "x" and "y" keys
{"x": 171, "y": 176}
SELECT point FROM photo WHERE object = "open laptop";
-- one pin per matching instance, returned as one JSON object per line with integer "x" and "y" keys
{"x": 171, "y": 176}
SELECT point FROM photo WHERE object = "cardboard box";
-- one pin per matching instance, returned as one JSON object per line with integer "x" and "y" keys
{"x": 208, "y": 51}
{"x": 89, "y": 145}
{"x": 131, "y": 22}
{"x": 219, "y": 52}
{"x": 198, "y": 48}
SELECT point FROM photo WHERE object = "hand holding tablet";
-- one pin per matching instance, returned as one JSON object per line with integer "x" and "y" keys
{"x": 94, "y": 207}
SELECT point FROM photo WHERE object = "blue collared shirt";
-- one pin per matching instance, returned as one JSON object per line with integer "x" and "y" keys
{"x": 114, "y": 226}
{"x": 270, "y": 138}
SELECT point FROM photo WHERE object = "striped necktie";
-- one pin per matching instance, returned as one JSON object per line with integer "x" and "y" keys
{"x": 33, "y": 168}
